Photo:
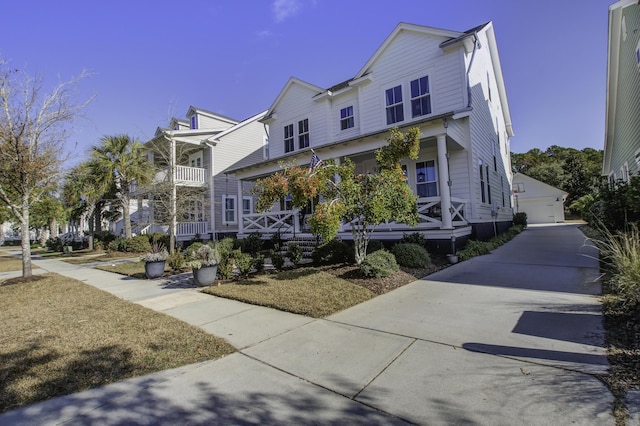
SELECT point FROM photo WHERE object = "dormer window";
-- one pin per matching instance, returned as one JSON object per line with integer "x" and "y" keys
{"x": 194, "y": 121}
{"x": 420, "y": 97}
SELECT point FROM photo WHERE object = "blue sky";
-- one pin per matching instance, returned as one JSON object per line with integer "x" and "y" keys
{"x": 151, "y": 60}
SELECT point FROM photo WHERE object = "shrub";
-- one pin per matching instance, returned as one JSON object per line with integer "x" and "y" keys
{"x": 520, "y": 219}
{"x": 374, "y": 245}
{"x": 55, "y": 244}
{"x": 192, "y": 248}
{"x": 478, "y": 248}
{"x": 118, "y": 244}
{"x": 378, "y": 264}
{"x": 414, "y": 238}
{"x": 294, "y": 253}
{"x": 411, "y": 255}
{"x": 138, "y": 244}
{"x": 105, "y": 237}
{"x": 620, "y": 252}
{"x": 176, "y": 261}
{"x": 157, "y": 253}
{"x": 225, "y": 249}
{"x": 206, "y": 255}
{"x": 277, "y": 259}
{"x": 258, "y": 263}
{"x": 252, "y": 244}
{"x": 158, "y": 237}
{"x": 244, "y": 262}
{"x": 332, "y": 252}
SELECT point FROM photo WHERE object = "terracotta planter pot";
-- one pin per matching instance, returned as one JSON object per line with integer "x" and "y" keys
{"x": 205, "y": 276}
{"x": 154, "y": 269}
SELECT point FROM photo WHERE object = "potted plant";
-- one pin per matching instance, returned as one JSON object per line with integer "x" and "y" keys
{"x": 204, "y": 264}
{"x": 154, "y": 261}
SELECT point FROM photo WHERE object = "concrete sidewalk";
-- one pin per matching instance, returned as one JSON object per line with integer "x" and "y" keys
{"x": 513, "y": 337}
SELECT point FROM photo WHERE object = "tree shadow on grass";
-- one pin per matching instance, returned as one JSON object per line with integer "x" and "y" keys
{"x": 21, "y": 372}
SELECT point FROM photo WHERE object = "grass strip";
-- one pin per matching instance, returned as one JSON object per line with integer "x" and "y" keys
{"x": 305, "y": 291}
{"x": 60, "y": 336}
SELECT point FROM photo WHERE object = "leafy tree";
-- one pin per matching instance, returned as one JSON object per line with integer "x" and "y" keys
{"x": 550, "y": 173}
{"x": 47, "y": 213}
{"x": 118, "y": 163}
{"x": 364, "y": 200}
{"x": 33, "y": 130}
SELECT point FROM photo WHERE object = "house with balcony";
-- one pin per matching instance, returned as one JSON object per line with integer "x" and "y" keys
{"x": 622, "y": 127}
{"x": 447, "y": 83}
{"x": 192, "y": 157}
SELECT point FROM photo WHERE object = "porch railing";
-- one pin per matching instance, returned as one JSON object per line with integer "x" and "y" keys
{"x": 429, "y": 217}
{"x": 192, "y": 228}
{"x": 266, "y": 223}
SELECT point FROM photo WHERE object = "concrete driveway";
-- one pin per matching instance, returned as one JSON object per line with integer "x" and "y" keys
{"x": 513, "y": 337}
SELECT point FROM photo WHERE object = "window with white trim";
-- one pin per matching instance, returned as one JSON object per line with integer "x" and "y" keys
{"x": 288, "y": 138}
{"x": 346, "y": 118}
{"x": 426, "y": 179}
{"x": 265, "y": 147}
{"x": 394, "y": 106}
{"x": 194, "y": 121}
{"x": 420, "y": 97}
{"x": 303, "y": 133}
{"x": 482, "y": 183}
{"x": 229, "y": 215}
{"x": 624, "y": 172}
{"x": 486, "y": 168}
{"x": 247, "y": 205}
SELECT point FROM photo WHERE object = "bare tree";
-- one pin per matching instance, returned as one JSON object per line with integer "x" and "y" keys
{"x": 33, "y": 129}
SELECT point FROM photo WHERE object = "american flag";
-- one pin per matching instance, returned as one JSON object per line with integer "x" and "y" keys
{"x": 315, "y": 162}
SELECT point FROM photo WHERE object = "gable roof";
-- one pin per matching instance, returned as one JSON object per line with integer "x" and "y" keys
{"x": 232, "y": 129}
{"x": 402, "y": 27}
{"x": 292, "y": 81}
{"x": 194, "y": 110}
{"x": 529, "y": 179}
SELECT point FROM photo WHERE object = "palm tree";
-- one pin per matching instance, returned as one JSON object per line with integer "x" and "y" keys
{"x": 120, "y": 161}
{"x": 82, "y": 197}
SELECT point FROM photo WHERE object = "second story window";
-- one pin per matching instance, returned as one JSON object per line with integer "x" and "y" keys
{"x": 420, "y": 97}
{"x": 288, "y": 138}
{"x": 346, "y": 118}
{"x": 194, "y": 121}
{"x": 303, "y": 133}
{"x": 395, "y": 110}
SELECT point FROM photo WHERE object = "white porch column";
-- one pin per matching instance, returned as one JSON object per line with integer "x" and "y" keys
{"x": 443, "y": 179}
{"x": 240, "y": 208}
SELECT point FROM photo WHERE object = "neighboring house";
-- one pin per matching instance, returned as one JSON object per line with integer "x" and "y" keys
{"x": 202, "y": 147}
{"x": 541, "y": 202}
{"x": 622, "y": 129}
{"x": 447, "y": 83}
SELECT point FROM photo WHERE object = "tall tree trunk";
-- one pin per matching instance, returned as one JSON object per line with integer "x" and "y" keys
{"x": 126, "y": 215}
{"x": 26, "y": 243}
{"x": 53, "y": 228}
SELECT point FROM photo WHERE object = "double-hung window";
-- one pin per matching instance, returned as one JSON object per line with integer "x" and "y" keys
{"x": 229, "y": 209}
{"x": 194, "y": 121}
{"x": 486, "y": 169}
{"x": 395, "y": 109}
{"x": 483, "y": 195}
{"x": 247, "y": 205}
{"x": 420, "y": 97}
{"x": 303, "y": 133}
{"x": 426, "y": 183}
{"x": 346, "y": 118}
{"x": 288, "y": 138}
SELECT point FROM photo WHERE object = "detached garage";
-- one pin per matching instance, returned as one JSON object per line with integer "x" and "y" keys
{"x": 543, "y": 203}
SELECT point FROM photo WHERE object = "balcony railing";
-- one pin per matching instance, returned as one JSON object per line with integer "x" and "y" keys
{"x": 183, "y": 229}
{"x": 429, "y": 217}
{"x": 190, "y": 176}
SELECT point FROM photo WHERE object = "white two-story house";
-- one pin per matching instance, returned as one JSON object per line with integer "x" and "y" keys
{"x": 447, "y": 83}
{"x": 200, "y": 150}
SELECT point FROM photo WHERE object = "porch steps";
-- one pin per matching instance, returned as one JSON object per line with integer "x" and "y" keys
{"x": 307, "y": 244}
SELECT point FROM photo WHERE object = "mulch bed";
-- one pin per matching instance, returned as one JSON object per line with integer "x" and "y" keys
{"x": 379, "y": 286}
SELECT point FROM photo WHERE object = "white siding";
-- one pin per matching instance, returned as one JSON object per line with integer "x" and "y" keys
{"x": 295, "y": 105}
